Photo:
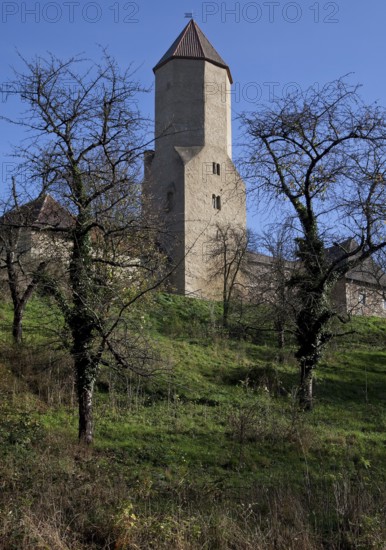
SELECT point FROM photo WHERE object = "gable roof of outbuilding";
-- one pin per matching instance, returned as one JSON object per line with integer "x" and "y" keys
{"x": 41, "y": 213}
{"x": 368, "y": 271}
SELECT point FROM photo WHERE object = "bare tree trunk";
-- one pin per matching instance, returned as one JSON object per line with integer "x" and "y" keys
{"x": 280, "y": 338}
{"x": 17, "y": 324}
{"x": 85, "y": 397}
{"x": 306, "y": 387}
{"x": 85, "y": 379}
{"x": 13, "y": 282}
{"x": 20, "y": 298}
{"x": 225, "y": 313}
{"x": 82, "y": 325}
{"x": 279, "y": 327}
{"x": 86, "y": 367}
{"x": 309, "y": 337}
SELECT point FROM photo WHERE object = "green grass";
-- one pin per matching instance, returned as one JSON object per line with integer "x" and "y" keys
{"x": 40, "y": 318}
{"x": 211, "y": 450}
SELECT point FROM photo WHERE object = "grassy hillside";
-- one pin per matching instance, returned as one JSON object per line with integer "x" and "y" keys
{"x": 211, "y": 453}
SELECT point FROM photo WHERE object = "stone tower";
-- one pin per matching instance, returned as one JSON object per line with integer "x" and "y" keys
{"x": 190, "y": 179}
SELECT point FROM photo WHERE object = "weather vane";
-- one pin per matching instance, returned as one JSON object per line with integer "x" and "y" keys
{"x": 189, "y": 15}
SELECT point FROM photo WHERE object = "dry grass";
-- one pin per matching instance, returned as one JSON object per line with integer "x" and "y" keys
{"x": 57, "y": 496}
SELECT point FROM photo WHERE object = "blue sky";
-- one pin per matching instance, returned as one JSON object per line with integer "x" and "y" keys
{"x": 269, "y": 45}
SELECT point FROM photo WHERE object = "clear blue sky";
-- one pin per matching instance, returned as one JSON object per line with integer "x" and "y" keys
{"x": 269, "y": 45}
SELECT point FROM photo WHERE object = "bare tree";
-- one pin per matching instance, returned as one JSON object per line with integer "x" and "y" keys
{"x": 270, "y": 279}
{"x": 21, "y": 268}
{"x": 85, "y": 141}
{"x": 22, "y": 277}
{"x": 229, "y": 262}
{"x": 320, "y": 154}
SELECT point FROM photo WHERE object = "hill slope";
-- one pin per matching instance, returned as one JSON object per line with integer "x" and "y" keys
{"x": 211, "y": 452}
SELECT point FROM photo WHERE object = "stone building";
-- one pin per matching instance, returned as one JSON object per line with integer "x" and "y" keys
{"x": 192, "y": 184}
{"x": 32, "y": 233}
{"x": 190, "y": 179}
{"x": 362, "y": 291}
{"x": 193, "y": 187}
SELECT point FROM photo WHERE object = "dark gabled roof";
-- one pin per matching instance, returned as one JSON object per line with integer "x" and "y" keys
{"x": 193, "y": 44}
{"x": 337, "y": 250}
{"x": 41, "y": 213}
{"x": 367, "y": 272}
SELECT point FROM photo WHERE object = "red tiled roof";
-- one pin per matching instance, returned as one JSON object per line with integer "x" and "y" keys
{"x": 193, "y": 44}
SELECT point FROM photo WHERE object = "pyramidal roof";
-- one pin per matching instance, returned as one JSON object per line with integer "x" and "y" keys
{"x": 193, "y": 44}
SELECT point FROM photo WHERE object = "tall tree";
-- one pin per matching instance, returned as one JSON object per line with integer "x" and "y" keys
{"x": 321, "y": 155}
{"x": 85, "y": 141}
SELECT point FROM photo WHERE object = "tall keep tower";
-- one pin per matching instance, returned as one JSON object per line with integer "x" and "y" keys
{"x": 190, "y": 179}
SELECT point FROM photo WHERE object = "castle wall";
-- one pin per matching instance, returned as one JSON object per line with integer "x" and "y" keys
{"x": 179, "y": 105}
{"x": 217, "y": 108}
{"x": 201, "y": 186}
{"x": 163, "y": 204}
{"x": 364, "y": 299}
{"x": 338, "y": 296}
